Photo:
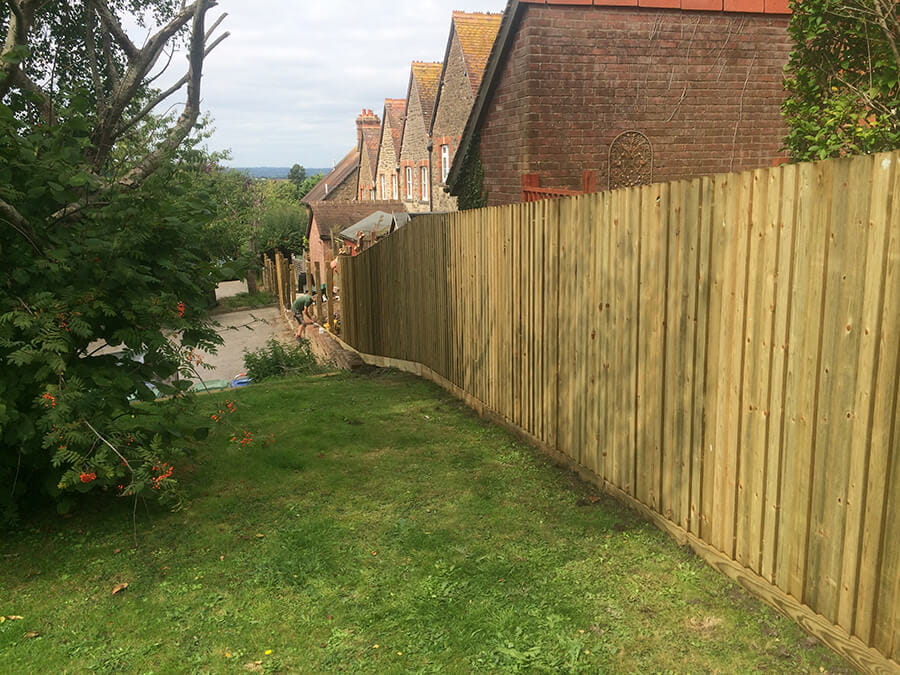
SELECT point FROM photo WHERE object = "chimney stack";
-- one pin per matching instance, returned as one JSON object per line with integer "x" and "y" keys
{"x": 366, "y": 120}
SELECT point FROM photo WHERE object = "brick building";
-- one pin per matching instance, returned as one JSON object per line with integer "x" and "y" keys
{"x": 633, "y": 91}
{"x": 415, "y": 166}
{"x": 368, "y": 137}
{"x": 468, "y": 47}
{"x": 387, "y": 182}
{"x": 327, "y": 218}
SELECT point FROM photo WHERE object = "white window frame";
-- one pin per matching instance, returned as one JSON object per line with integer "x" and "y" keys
{"x": 445, "y": 162}
{"x": 383, "y": 196}
{"x": 395, "y": 194}
{"x": 423, "y": 176}
{"x": 409, "y": 183}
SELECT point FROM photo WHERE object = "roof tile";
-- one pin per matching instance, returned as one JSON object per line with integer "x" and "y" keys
{"x": 477, "y": 32}
{"x": 394, "y": 116}
{"x": 427, "y": 77}
{"x": 341, "y": 172}
{"x": 334, "y": 216}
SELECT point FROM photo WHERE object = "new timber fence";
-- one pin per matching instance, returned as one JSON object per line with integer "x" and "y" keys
{"x": 722, "y": 353}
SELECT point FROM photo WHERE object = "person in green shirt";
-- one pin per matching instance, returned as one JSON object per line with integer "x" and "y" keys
{"x": 302, "y": 309}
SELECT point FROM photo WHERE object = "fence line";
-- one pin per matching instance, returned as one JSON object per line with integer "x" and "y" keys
{"x": 725, "y": 351}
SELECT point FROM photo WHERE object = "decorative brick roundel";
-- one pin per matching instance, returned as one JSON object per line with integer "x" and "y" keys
{"x": 630, "y": 160}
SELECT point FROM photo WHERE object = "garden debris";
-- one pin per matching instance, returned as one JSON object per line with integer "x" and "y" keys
{"x": 118, "y": 588}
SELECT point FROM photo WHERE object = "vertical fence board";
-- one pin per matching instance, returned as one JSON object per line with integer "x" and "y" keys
{"x": 757, "y": 361}
{"x": 803, "y": 342}
{"x": 651, "y": 349}
{"x": 704, "y": 187}
{"x": 551, "y": 335}
{"x": 881, "y": 324}
{"x": 780, "y": 215}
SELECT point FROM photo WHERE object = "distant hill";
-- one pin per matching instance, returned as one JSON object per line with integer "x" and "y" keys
{"x": 274, "y": 171}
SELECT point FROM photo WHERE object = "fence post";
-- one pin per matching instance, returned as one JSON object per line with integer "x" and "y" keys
{"x": 319, "y": 316}
{"x": 279, "y": 280}
{"x": 329, "y": 276}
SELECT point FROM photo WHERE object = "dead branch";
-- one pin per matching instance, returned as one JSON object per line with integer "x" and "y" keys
{"x": 165, "y": 94}
{"x": 115, "y": 28}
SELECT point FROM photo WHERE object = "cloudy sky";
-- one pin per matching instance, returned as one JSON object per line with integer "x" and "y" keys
{"x": 286, "y": 87}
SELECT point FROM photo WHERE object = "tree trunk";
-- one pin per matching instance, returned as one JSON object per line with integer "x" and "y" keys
{"x": 251, "y": 281}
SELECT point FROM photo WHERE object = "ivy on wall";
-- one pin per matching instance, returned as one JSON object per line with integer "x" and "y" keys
{"x": 470, "y": 185}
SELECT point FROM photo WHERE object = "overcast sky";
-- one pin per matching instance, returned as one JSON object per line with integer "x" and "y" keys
{"x": 286, "y": 87}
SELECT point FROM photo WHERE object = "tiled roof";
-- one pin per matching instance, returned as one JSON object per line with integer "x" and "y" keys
{"x": 753, "y": 6}
{"x": 341, "y": 172}
{"x": 394, "y": 114}
{"x": 334, "y": 216}
{"x": 427, "y": 77}
{"x": 476, "y": 32}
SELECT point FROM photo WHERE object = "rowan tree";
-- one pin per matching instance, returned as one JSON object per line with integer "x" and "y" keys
{"x": 107, "y": 271}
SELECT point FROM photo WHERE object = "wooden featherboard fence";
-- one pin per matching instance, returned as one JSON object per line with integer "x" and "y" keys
{"x": 723, "y": 353}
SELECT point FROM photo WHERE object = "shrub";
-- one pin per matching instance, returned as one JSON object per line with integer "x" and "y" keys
{"x": 277, "y": 358}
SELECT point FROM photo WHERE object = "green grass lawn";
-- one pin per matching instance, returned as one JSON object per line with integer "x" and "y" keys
{"x": 386, "y": 529}
{"x": 232, "y": 303}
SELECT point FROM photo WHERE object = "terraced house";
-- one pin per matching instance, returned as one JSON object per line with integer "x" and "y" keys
{"x": 415, "y": 162}
{"x": 388, "y": 169}
{"x": 368, "y": 137}
{"x": 468, "y": 47}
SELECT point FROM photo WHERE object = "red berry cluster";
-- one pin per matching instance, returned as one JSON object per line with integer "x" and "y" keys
{"x": 247, "y": 438}
{"x": 180, "y": 307}
{"x": 50, "y": 398}
{"x": 88, "y": 477}
{"x": 163, "y": 471}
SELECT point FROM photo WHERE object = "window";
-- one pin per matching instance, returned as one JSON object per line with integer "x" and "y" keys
{"x": 409, "y": 183}
{"x": 445, "y": 162}
{"x": 423, "y": 176}
{"x": 394, "y": 194}
{"x": 383, "y": 196}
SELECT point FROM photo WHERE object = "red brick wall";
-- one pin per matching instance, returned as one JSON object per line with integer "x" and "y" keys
{"x": 705, "y": 88}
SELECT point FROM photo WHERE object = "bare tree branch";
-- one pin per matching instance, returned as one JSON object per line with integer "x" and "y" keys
{"x": 20, "y": 79}
{"x": 90, "y": 44}
{"x": 105, "y": 133}
{"x": 114, "y": 27}
{"x": 10, "y": 215}
{"x": 180, "y": 130}
{"x": 165, "y": 94}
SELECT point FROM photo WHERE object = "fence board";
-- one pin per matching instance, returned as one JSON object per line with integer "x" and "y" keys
{"x": 881, "y": 324}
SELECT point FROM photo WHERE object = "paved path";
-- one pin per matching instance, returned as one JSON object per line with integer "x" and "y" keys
{"x": 244, "y": 330}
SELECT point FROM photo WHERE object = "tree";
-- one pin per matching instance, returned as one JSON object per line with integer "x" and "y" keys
{"x": 309, "y": 184}
{"x": 297, "y": 175}
{"x": 102, "y": 219}
{"x": 843, "y": 78}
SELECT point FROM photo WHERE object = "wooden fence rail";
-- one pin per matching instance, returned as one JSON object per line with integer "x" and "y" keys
{"x": 723, "y": 353}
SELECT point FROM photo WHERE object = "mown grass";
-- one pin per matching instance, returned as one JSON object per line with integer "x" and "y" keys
{"x": 386, "y": 529}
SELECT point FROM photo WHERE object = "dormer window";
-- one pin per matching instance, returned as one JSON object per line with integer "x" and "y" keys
{"x": 445, "y": 162}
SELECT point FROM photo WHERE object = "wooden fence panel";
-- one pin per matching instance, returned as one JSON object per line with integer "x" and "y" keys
{"x": 726, "y": 351}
